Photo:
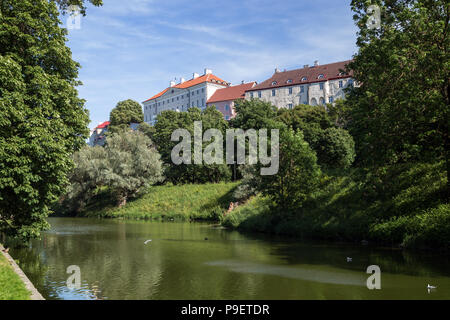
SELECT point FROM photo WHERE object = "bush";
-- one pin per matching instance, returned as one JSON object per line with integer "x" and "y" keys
{"x": 335, "y": 148}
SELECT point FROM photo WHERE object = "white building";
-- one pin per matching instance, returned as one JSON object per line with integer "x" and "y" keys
{"x": 313, "y": 85}
{"x": 98, "y": 135}
{"x": 186, "y": 94}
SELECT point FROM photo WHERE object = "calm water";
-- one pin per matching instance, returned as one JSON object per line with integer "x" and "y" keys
{"x": 179, "y": 263}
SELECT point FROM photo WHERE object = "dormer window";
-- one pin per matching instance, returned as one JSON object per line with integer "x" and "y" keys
{"x": 274, "y": 83}
{"x": 304, "y": 78}
{"x": 289, "y": 81}
{"x": 320, "y": 76}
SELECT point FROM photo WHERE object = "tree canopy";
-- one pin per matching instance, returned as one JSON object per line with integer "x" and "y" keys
{"x": 125, "y": 113}
{"x": 400, "y": 112}
{"x": 42, "y": 119}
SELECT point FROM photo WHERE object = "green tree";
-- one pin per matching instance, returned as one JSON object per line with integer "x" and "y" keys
{"x": 254, "y": 114}
{"x": 298, "y": 173}
{"x": 133, "y": 165}
{"x": 335, "y": 148}
{"x": 168, "y": 122}
{"x": 88, "y": 174}
{"x": 42, "y": 120}
{"x": 400, "y": 111}
{"x": 125, "y": 113}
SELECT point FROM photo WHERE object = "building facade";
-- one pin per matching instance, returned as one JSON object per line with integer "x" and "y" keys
{"x": 184, "y": 95}
{"x": 98, "y": 137}
{"x": 313, "y": 85}
{"x": 223, "y": 99}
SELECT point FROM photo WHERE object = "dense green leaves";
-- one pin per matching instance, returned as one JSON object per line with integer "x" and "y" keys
{"x": 168, "y": 122}
{"x": 298, "y": 173}
{"x": 127, "y": 165}
{"x": 42, "y": 120}
{"x": 401, "y": 110}
{"x": 125, "y": 113}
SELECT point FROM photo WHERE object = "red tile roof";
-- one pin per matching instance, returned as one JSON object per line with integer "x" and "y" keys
{"x": 190, "y": 83}
{"x": 294, "y": 77}
{"x": 102, "y": 125}
{"x": 231, "y": 93}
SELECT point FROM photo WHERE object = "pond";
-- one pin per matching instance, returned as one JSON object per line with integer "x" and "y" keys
{"x": 203, "y": 261}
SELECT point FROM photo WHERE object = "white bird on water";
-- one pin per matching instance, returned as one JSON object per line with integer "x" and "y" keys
{"x": 349, "y": 259}
{"x": 147, "y": 241}
{"x": 431, "y": 287}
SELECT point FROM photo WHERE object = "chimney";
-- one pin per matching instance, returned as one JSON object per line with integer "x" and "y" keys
{"x": 306, "y": 66}
{"x": 243, "y": 82}
{"x": 316, "y": 63}
{"x": 195, "y": 75}
{"x": 208, "y": 71}
{"x": 172, "y": 83}
{"x": 277, "y": 70}
{"x": 182, "y": 80}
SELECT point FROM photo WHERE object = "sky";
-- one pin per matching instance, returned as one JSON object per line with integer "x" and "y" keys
{"x": 132, "y": 49}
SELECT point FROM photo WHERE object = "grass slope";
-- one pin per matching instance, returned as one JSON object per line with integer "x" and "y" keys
{"x": 11, "y": 287}
{"x": 397, "y": 205}
{"x": 181, "y": 202}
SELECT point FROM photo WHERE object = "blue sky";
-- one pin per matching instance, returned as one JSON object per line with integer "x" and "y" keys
{"x": 132, "y": 49}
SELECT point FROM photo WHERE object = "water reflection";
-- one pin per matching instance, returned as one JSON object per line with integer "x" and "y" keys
{"x": 179, "y": 263}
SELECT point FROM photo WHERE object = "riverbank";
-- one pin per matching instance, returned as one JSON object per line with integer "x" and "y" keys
{"x": 168, "y": 202}
{"x": 14, "y": 284}
{"x": 402, "y": 205}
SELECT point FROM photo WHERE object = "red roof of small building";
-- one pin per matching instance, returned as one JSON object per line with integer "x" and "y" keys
{"x": 310, "y": 74}
{"x": 231, "y": 93}
{"x": 190, "y": 83}
{"x": 102, "y": 125}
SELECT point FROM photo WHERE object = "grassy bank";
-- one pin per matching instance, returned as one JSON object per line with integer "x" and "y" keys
{"x": 182, "y": 202}
{"x": 11, "y": 287}
{"x": 398, "y": 205}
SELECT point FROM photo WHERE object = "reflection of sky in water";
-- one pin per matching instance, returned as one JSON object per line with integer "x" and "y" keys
{"x": 65, "y": 293}
{"x": 343, "y": 277}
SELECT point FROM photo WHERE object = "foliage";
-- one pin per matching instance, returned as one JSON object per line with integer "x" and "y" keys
{"x": 91, "y": 164}
{"x": 125, "y": 113}
{"x": 397, "y": 204}
{"x": 298, "y": 173}
{"x": 168, "y": 122}
{"x": 128, "y": 165}
{"x": 400, "y": 112}
{"x": 254, "y": 114}
{"x": 250, "y": 182}
{"x": 133, "y": 165}
{"x": 42, "y": 120}
{"x": 336, "y": 148}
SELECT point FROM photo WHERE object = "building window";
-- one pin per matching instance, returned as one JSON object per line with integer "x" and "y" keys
{"x": 330, "y": 99}
{"x": 290, "y": 90}
{"x": 321, "y": 85}
{"x": 192, "y": 104}
{"x": 274, "y": 83}
{"x": 350, "y": 83}
{"x": 227, "y": 117}
{"x": 273, "y": 93}
{"x": 341, "y": 84}
{"x": 290, "y": 106}
{"x": 289, "y": 81}
{"x": 320, "y": 76}
{"x": 251, "y": 95}
{"x": 227, "y": 107}
{"x": 304, "y": 78}
{"x": 198, "y": 91}
{"x": 203, "y": 89}
{"x": 302, "y": 89}
{"x": 259, "y": 94}
{"x": 173, "y": 99}
{"x": 203, "y": 102}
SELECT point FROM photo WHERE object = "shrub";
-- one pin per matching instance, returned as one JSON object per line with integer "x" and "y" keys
{"x": 335, "y": 148}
